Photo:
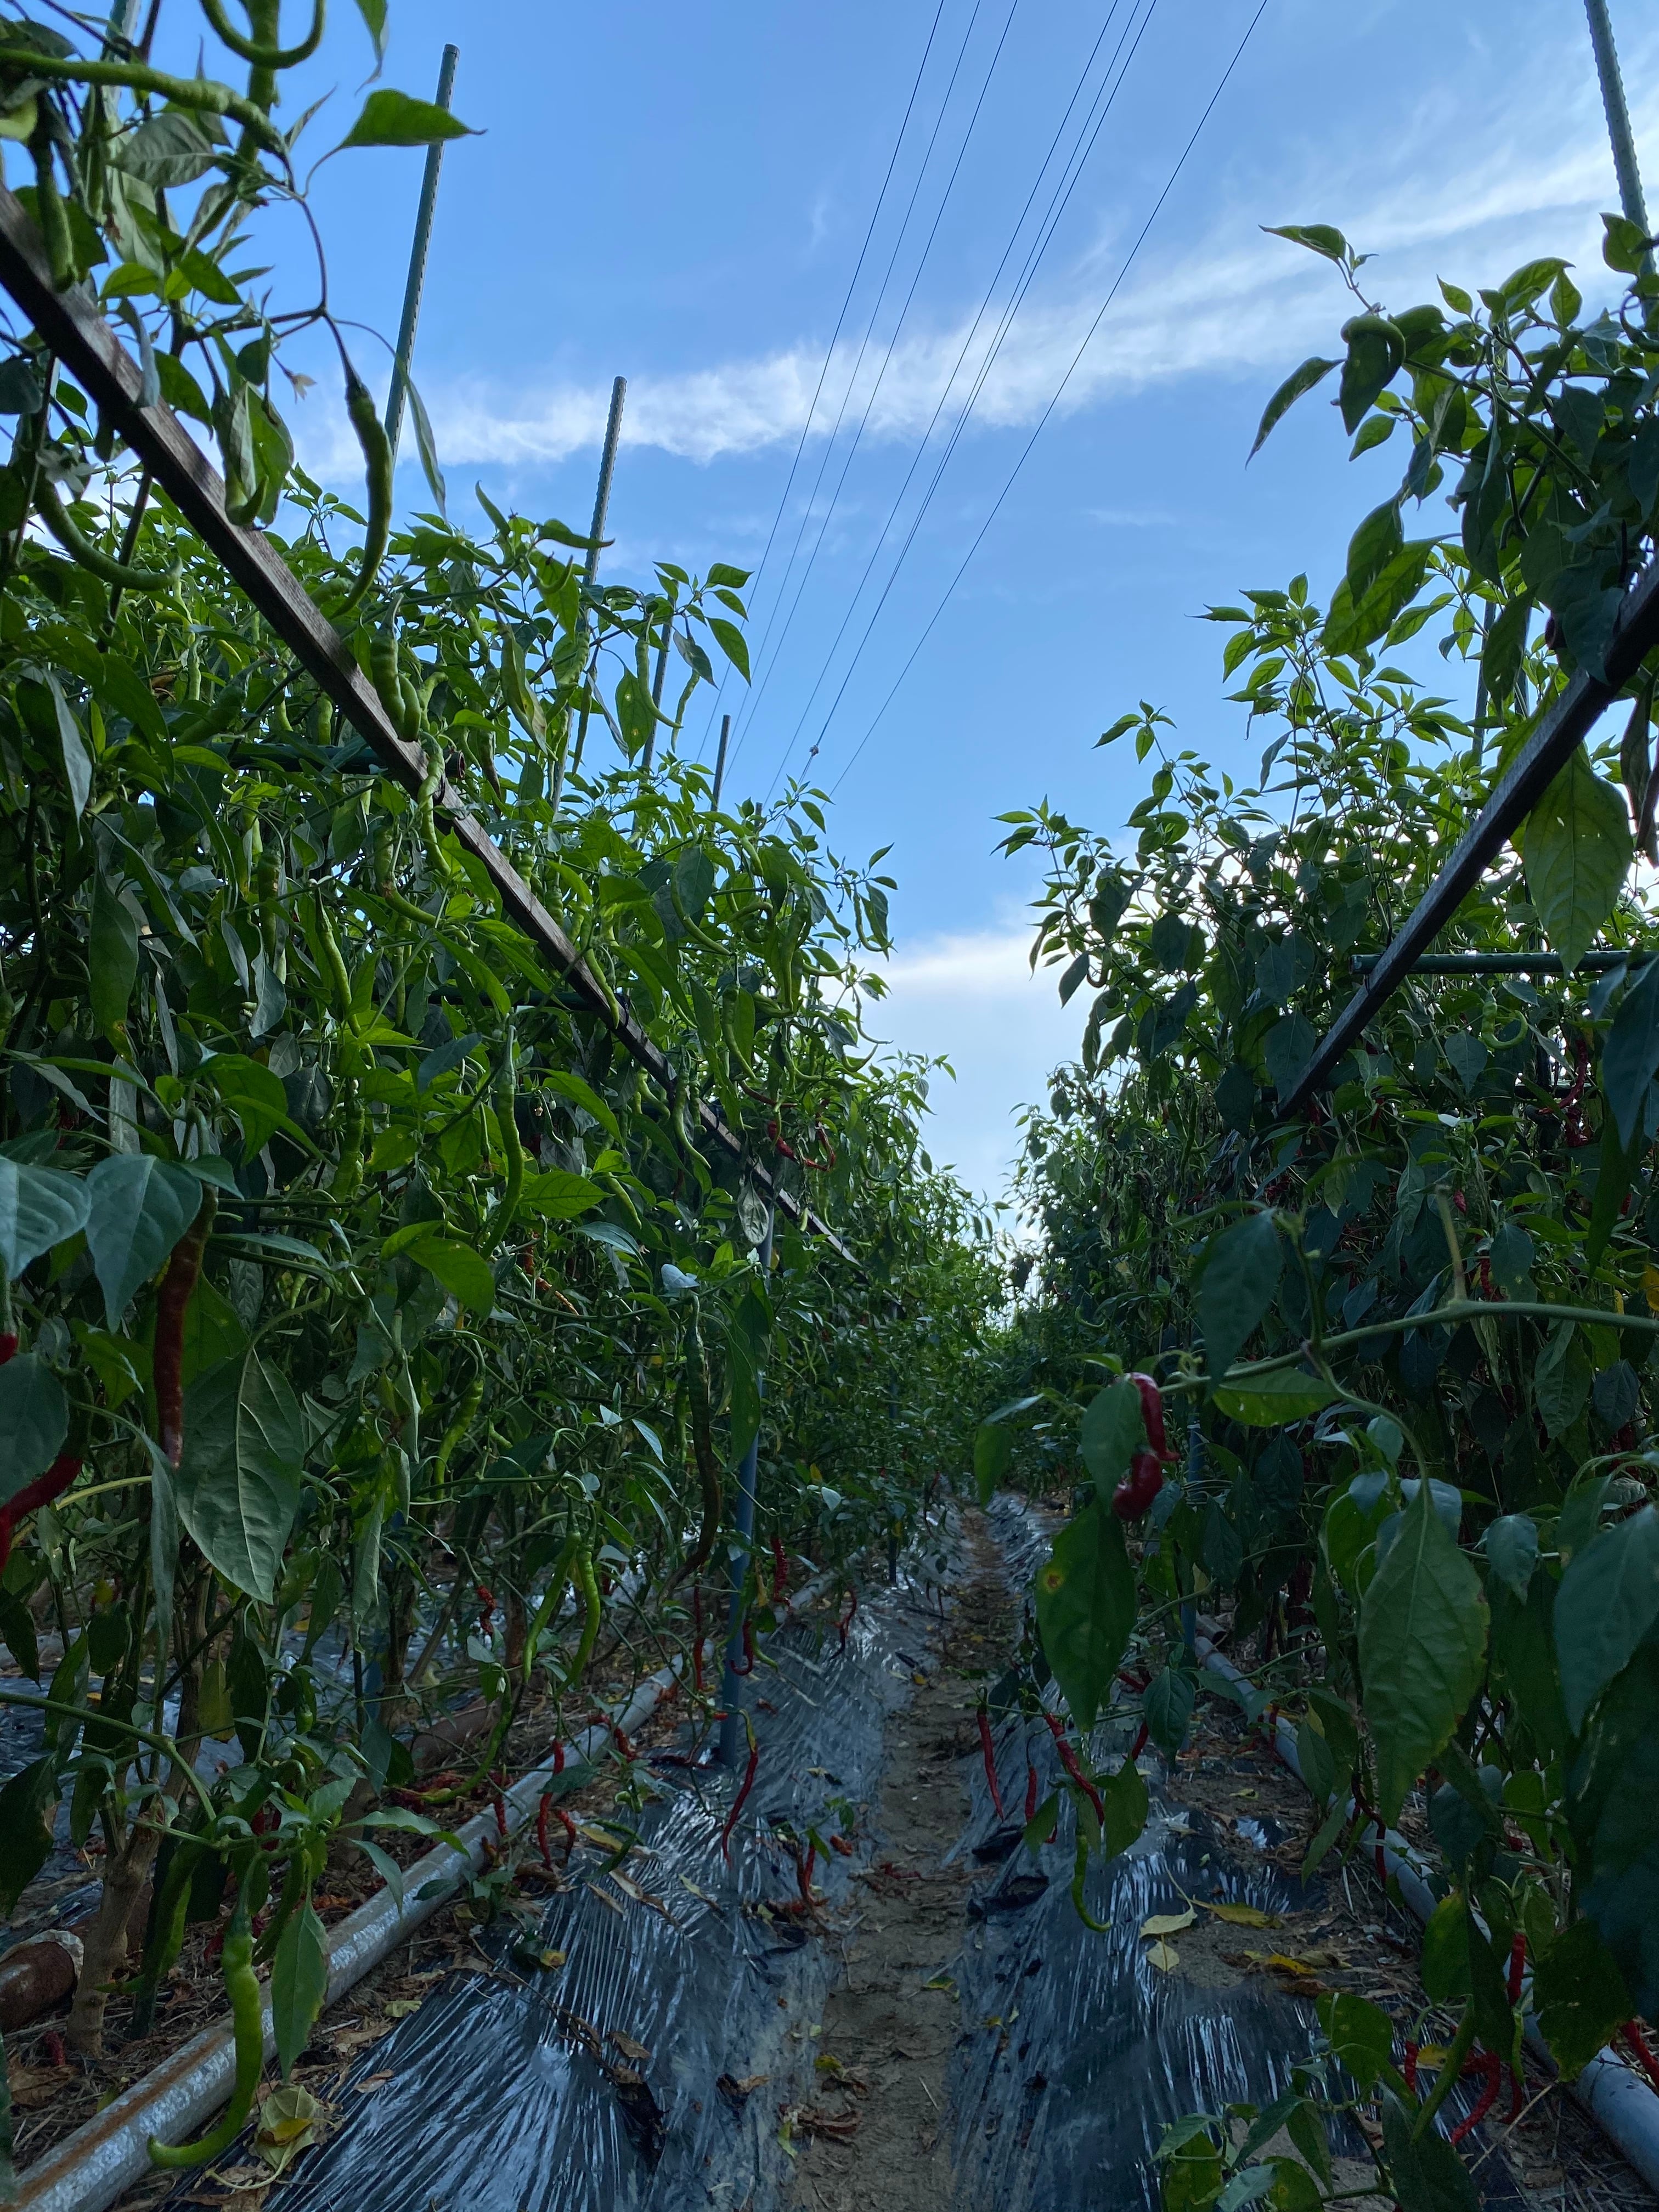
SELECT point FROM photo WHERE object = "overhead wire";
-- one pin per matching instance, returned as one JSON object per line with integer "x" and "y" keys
{"x": 752, "y": 699}
{"x": 1100, "y": 107}
{"x": 961, "y": 569}
{"x": 834, "y": 335}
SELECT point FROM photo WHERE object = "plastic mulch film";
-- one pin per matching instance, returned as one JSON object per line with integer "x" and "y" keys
{"x": 524, "y": 2090}
{"x": 1099, "y": 2050}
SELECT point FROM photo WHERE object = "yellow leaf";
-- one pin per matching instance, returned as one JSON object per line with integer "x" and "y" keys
{"x": 1164, "y": 1957}
{"x": 1245, "y": 1916}
{"x": 1168, "y": 1923}
{"x": 1650, "y": 1285}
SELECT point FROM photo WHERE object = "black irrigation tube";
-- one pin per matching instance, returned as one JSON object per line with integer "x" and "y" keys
{"x": 1517, "y": 791}
{"x": 80, "y": 338}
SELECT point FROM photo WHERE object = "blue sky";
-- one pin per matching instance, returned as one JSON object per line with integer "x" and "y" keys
{"x": 682, "y": 198}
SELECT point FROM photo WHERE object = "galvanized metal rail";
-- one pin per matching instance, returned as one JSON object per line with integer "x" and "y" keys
{"x": 1517, "y": 791}
{"x": 87, "y": 346}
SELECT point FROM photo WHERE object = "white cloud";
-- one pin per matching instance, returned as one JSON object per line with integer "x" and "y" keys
{"x": 973, "y": 998}
{"x": 1446, "y": 187}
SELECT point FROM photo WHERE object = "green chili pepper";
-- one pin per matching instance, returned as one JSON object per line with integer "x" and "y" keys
{"x": 49, "y": 202}
{"x": 588, "y": 1584}
{"x": 377, "y": 461}
{"x": 247, "y": 2018}
{"x": 709, "y": 1472}
{"x": 85, "y": 554}
{"x": 265, "y": 56}
{"x": 465, "y": 1414}
{"x": 512, "y": 1148}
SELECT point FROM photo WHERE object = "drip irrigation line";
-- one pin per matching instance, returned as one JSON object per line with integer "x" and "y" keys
{"x": 1076, "y": 160}
{"x": 1025, "y": 451}
{"x": 1555, "y": 738}
{"x": 830, "y": 353}
{"x": 751, "y": 704}
{"x": 79, "y": 336}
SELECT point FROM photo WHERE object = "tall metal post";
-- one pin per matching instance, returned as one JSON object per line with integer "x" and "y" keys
{"x": 720, "y": 763}
{"x": 1194, "y": 1491}
{"x": 590, "y": 565}
{"x": 732, "y": 1729}
{"x": 1631, "y": 201}
{"x": 417, "y": 252}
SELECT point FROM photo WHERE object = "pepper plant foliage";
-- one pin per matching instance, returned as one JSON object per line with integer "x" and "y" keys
{"x": 1412, "y": 1325}
{"x": 374, "y": 1334}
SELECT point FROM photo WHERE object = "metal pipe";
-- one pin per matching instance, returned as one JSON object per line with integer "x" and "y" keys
{"x": 1520, "y": 788}
{"x": 732, "y": 1729}
{"x": 720, "y": 763}
{"x": 1617, "y": 114}
{"x": 590, "y": 565}
{"x": 417, "y": 252}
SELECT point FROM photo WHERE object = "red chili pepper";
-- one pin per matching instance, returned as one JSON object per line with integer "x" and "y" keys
{"x": 1068, "y": 1759}
{"x": 1030, "y": 1793}
{"x": 989, "y": 1751}
{"x": 1410, "y": 2068}
{"x": 41, "y": 1492}
{"x": 787, "y": 1149}
{"x": 738, "y": 1801}
{"x": 851, "y": 1608}
{"x": 499, "y": 1804}
{"x": 7, "y": 1347}
{"x": 486, "y": 1608}
{"x": 1632, "y": 2032}
{"x": 779, "y": 1569}
{"x": 1135, "y": 1494}
{"x": 53, "y": 2045}
{"x": 542, "y": 1812}
{"x": 748, "y": 1666}
{"x": 1517, "y": 1965}
{"x": 1139, "y": 1743}
{"x": 1135, "y": 1682}
{"x": 179, "y": 1283}
{"x": 622, "y": 1742}
{"x": 1151, "y": 1412}
{"x": 803, "y": 1866}
{"x": 1492, "y": 2066}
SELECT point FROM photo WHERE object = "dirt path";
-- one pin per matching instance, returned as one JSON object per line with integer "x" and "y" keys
{"x": 886, "y": 2035}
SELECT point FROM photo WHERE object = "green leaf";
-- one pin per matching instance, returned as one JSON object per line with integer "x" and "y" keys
{"x": 994, "y": 1452}
{"x": 1167, "y": 1708}
{"x": 733, "y": 644}
{"x": 1361, "y": 2034}
{"x": 254, "y": 1094}
{"x": 112, "y": 956}
{"x": 1114, "y": 1430}
{"x": 1125, "y": 1801}
{"x": 557, "y": 1195}
{"x": 1313, "y": 371}
{"x": 1377, "y": 541}
{"x": 1579, "y": 1996}
{"x": 1445, "y": 1965}
{"x": 27, "y": 1805}
{"x": 1630, "y": 1057}
{"x": 299, "y": 1984}
{"x": 1608, "y": 1601}
{"x": 583, "y": 1094}
{"x": 34, "y": 1421}
{"x": 1318, "y": 237}
{"x": 1511, "y": 1544}
{"x": 1422, "y": 1640}
{"x": 393, "y": 118}
{"x": 1575, "y": 848}
{"x": 374, "y": 15}
{"x": 1241, "y": 1274}
{"x": 1427, "y": 2174}
{"x": 1284, "y": 1395}
{"x": 462, "y": 1271}
{"x": 239, "y": 1483}
{"x": 1086, "y": 1603}
{"x": 139, "y": 1207}
{"x": 39, "y": 1207}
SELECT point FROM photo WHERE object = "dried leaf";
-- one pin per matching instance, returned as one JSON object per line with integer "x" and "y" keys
{"x": 1244, "y": 1916}
{"x": 1164, "y": 1957}
{"x": 1168, "y": 1923}
{"x": 629, "y": 2049}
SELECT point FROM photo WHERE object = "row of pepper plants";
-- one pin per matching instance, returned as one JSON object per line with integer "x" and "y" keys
{"x": 1372, "y": 1383}
{"x": 376, "y": 1335}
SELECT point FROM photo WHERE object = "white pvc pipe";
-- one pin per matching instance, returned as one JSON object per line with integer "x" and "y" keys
{"x": 1616, "y": 2096}
{"x": 89, "y": 2169}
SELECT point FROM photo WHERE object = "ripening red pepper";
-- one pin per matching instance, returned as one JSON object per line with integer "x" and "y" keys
{"x": 738, "y": 1801}
{"x": 1492, "y": 2066}
{"x": 178, "y": 1287}
{"x": 805, "y": 1862}
{"x": 748, "y": 1666}
{"x": 1151, "y": 1412}
{"x": 1030, "y": 1793}
{"x": 1135, "y": 1494}
{"x": 8, "y": 1347}
{"x": 989, "y": 1751}
{"x": 33, "y": 1495}
{"x": 781, "y": 1569}
{"x": 1139, "y": 1743}
{"x": 499, "y": 1804}
{"x": 1517, "y": 1965}
{"x": 1632, "y": 2032}
{"x": 851, "y": 1608}
{"x": 1068, "y": 1759}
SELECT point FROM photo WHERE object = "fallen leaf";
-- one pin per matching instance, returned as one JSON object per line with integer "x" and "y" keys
{"x": 734, "y": 2090}
{"x": 833, "y": 2127}
{"x": 605, "y": 1898}
{"x": 34, "y": 2086}
{"x": 1244, "y": 1916}
{"x": 400, "y": 2008}
{"x": 372, "y": 2082}
{"x": 941, "y": 1982}
{"x": 288, "y": 2124}
{"x": 629, "y": 2049}
{"x": 1168, "y": 1923}
{"x": 1164, "y": 1957}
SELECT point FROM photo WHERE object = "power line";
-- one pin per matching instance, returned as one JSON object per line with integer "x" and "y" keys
{"x": 751, "y": 704}
{"x": 846, "y": 301}
{"x": 1019, "y": 464}
{"x": 1071, "y": 170}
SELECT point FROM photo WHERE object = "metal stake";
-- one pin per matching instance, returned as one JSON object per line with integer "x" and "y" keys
{"x": 732, "y": 1729}
{"x": 720, "y": 763}
{"x": 1618, "y": 131}
{"x": 418, "y": 251}
{"x": 591, "y": 567}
